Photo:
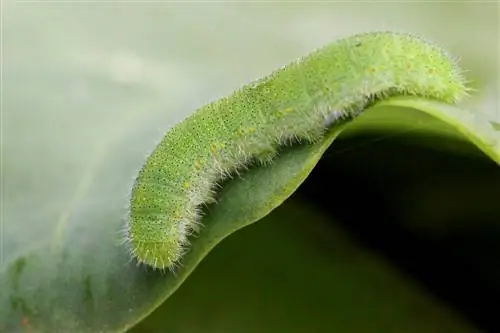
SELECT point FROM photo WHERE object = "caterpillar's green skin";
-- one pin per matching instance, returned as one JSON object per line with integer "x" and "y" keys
{"x": 296, "y": 102}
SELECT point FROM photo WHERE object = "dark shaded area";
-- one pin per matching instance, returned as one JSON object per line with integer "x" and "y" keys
{"x": 454, "y": 253}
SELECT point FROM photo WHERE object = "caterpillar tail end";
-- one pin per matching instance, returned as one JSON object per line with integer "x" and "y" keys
{"x": 154, "y": 253}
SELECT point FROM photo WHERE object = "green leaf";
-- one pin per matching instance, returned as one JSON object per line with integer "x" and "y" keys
{"x": 83, "y": 104}
{"x": 82, "y": 279}
{"x": 297, "y": 271}
{"x": 473, "y": 126}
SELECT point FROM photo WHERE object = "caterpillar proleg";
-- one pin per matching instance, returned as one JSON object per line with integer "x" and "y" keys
{"x": 297, "y": 102}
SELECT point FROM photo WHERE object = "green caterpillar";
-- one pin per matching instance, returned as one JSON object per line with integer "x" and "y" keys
{"x": 297, "y": 102}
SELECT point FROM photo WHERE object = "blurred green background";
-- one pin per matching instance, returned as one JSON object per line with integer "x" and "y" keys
{"x": 84, "y": 79}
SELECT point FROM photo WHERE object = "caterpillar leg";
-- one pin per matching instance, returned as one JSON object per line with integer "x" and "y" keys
{"x": 266, "y": 157}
